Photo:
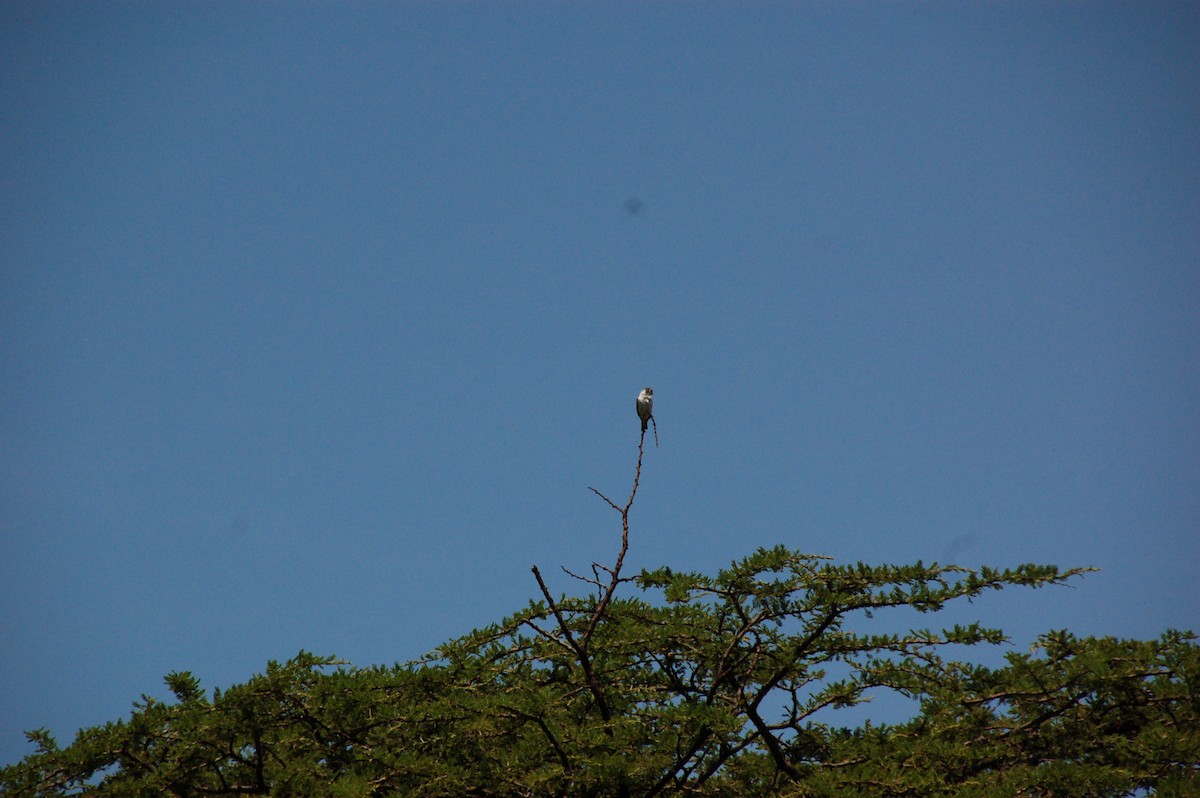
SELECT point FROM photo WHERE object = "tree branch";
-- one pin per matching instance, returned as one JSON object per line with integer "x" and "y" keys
{"x": 616, "y": 571}
{"x": 580, "y": 649}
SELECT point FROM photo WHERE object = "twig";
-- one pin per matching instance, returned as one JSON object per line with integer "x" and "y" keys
{"x": 571, "y": 573}
{"x": 611, "y": 503}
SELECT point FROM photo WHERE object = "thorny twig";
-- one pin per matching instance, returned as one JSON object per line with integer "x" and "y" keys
{"x": 624, "y": 511}
{"x": 580, "y": 645}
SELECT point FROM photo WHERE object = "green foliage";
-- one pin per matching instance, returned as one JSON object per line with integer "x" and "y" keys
{"x": 1074, "y": 717}
{"x": 692, "y": 685}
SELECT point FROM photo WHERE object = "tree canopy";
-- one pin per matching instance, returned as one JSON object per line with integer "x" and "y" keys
{"x": 671, "y": 683}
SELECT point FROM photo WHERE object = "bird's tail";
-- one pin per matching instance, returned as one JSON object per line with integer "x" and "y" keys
{"x": 644, "y": 423}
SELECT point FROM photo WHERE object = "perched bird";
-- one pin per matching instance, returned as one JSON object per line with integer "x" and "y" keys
{"x": 645, "y": 406}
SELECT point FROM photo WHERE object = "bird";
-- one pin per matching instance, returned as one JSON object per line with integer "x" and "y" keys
{"x": 645, "y": 406}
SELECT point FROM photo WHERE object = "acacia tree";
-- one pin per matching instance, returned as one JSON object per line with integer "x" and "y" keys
{"x": 669, "y": 683}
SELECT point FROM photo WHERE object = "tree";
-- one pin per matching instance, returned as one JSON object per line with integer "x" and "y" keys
{"x": 669, "y": 683}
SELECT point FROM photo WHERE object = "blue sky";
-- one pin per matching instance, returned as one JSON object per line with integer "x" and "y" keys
{"x": 318, "y": 320}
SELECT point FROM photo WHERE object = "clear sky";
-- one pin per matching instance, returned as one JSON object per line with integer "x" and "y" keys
{"x": 318, "y": 320}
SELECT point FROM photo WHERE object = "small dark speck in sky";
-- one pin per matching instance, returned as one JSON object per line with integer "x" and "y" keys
{"x": 633, "y": 205}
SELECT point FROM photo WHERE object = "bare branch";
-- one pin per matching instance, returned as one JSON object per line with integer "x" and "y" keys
{"x": 616, "y": 570}
{"x": 580, "y": 645}
{"x": 562, "y": 623}
{"x": 580, "y": 649}
{"x": 611, "y": 503}
{"x": 571, "y": 573}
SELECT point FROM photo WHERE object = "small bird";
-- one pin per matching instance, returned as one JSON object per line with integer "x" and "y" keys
{"x": 645, "y": 406}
